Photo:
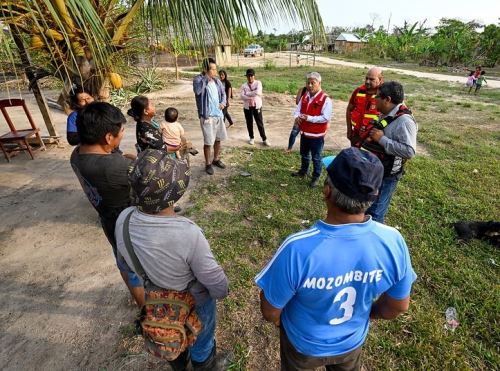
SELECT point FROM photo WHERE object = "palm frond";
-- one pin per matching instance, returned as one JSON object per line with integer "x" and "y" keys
{"x": 79, "y": 33}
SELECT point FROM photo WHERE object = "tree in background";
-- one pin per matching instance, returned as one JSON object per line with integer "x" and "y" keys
{"x": 178, "y": 46}
{"x": 241, "y": 38}
{"x": 84, "y": 39}
{"x": 405, "y": 38}
{"x": 455, "y": 41}
{"x": 295, "y": 36}
{"x": 489, "y": 45}
{"x": 363, "y": 31}
{"x": 379, "y": 43}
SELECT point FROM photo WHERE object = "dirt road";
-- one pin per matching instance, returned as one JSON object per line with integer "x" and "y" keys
{"x": 63, "y": 305}
{"x": 283, "y": 59}
{"x": 62, "y": 300}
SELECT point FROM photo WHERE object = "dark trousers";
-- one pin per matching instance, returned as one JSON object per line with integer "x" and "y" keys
{"x": 250, "y": 115}
{"x": 311, "y": 148}
{"x": 291, "y": 360}
{"x": 227, "y": 116}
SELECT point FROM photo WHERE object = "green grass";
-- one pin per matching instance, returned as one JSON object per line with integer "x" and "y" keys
{"x": 246, "y": 218}
{"x": 340, "y": 81}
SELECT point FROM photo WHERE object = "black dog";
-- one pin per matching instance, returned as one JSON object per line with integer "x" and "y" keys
{"x": 488, "y": 231}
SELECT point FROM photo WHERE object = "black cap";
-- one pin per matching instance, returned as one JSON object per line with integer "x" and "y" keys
{"x": 250, "y": 72}
{"x": 157, "y": 180}
{"x": 357, "y": 174}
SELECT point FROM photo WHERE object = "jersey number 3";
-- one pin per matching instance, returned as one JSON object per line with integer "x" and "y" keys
{"x": 347, "y": 305}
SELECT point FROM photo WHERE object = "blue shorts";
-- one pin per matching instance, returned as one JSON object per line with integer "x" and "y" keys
{"x": 108, "y": 225}
{"x": 132, "y": 278}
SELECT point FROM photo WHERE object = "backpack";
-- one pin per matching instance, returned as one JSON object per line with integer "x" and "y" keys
{"x": 168, "y": 319}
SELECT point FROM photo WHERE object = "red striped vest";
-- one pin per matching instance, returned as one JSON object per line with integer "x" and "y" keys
{"x": 364, "y": 109}
{"x": 317, "y": 129}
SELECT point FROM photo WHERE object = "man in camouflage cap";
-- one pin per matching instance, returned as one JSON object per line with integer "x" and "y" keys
{"x": 157, "y": 181}
{"x": 172, "y": 249}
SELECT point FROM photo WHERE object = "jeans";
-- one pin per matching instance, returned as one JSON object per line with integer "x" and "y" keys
{"x": 251, "y": 114}
{"x": 311, "y": 147}
{"x": 293, "y": 134}
{"x": 379, "y": 208}
{"x": 205, "y": 342}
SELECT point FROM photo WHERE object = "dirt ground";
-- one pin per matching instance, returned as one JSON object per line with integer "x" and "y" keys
{"x": 62, "y": 301}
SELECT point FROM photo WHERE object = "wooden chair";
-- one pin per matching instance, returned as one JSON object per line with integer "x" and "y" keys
{"x": 18, "y": 137}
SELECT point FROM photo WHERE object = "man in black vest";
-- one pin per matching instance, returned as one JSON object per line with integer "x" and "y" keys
{"x": 393, "y": 140}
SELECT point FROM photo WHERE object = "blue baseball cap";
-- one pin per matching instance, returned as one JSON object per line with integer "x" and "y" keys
{"x": 357, "y": 174}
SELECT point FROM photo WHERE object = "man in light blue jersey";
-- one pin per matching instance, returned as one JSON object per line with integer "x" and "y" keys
{"x": 325, "y": 283}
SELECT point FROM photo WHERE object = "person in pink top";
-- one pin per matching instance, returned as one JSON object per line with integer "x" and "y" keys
{"x": 251, "y": 94}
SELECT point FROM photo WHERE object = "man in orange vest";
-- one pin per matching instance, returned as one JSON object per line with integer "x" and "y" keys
{"x": 361, "y": 108}
{"x": 312, "y": 116}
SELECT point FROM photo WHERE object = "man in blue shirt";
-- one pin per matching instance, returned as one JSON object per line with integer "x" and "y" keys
{"x": 324, "y": 284}
{"x": 210, "y": 100}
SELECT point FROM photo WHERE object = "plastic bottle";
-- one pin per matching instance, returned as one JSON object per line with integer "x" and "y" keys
{"x": 451, "y": 319}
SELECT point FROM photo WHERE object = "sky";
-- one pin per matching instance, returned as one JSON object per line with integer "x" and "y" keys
{"x": 352, "y": 13}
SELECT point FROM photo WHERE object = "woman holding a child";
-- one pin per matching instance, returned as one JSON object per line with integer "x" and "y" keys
{"x": 147, "y": 129}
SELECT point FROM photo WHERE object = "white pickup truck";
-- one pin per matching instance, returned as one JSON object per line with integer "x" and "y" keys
{"x": 253, "y": 50}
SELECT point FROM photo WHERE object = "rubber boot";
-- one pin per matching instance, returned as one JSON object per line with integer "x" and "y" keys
{"x": 181, "y": 363}
{"x": 216, "y": 362}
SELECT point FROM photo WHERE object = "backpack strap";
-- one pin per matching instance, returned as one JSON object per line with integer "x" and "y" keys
{"x": 128, "y": 244}
{"x": 135, "y": 261}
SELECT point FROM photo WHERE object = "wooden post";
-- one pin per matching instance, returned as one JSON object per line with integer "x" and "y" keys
{"x": 40, "y": 98}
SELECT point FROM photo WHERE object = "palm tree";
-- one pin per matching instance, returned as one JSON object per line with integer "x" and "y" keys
{"x": 83, "y": 39}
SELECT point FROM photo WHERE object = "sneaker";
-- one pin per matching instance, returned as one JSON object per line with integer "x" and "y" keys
{"x": 299, "y": 174}
{"x": 219, "y": 164}
{"x": 266, "y": 143}
{"x": 314, "y": 182}
{"x": 209, "y": 169}
{"x": 193, "y": 151}
{"x": 251, "y": 141}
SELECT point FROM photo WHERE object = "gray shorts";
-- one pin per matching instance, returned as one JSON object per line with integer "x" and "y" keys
{"x": 213, "y": 130}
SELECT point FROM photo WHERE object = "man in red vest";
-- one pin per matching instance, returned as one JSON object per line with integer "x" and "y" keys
{"x": 361, "y": 108}
{"x": 312, "y": 116}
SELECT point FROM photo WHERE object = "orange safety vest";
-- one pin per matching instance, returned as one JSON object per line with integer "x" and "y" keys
{"x": 364, "y": 108}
